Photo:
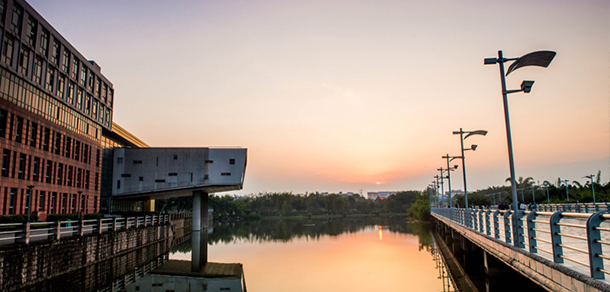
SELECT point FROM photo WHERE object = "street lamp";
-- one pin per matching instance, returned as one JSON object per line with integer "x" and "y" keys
{"x": 30, "y": 187}
{"x": 436, "y": 177}
{"x": 592, "y": 188}
{"x": 449, "y": 169}
{"x": 566, "y": 182}
{"x": 539, "y": 58}
{"x": 442, "y": 183}
{"x": 473, "y": 148}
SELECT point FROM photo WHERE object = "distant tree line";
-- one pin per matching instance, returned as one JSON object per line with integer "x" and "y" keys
{"x": 289, "y": 204}
{"x": 528, "y": 191}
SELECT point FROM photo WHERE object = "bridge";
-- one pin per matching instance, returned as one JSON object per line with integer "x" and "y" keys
{"x": 559, "y": 248}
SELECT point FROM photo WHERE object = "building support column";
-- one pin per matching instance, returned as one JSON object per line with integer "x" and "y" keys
{"x": 200, "y": 210}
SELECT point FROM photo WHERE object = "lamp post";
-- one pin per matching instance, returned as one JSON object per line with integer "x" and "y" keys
{"x": 539, "y": 58}
{"x": 449, "y": 169}
{"x": 436, "y": 177}
{"x": 566, "y": 182}
{"x": 29, "y": 199}
{"x": 473, "y": 148}
{"x": 591, "y": 176}
{"x": 442, "y": 183}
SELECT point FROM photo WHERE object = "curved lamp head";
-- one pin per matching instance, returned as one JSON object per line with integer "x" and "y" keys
{"x": 477, "y": 132}
{"x": 539, "y": 58}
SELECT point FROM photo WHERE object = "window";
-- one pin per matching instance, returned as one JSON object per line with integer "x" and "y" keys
{"x": 137, "y": 162}
{"x": 110, "y": 97}
{"x": 7, "y": 51}
{"x": 70, "y": 93}
{"x": 118, "y": 184}
{"x": 231, "y": 161}
{"x": 19, "y": 129}
{"x": 44, "y": 42}
{"x": 57, "y": 144}
{"x": 90, "y": 81}
{"x": 49, "y": 171}
{"x": 76, "y": 150}
{"x": 98, "y": 85}
{"x": 74, "y": 72}
{"x": 61, "y": 81}
{"x": 159, "y": 180}
{"x": 119, "y": 160}
{"x": 141, "y": 178}
{"x": 83, "y": 75}
{"x": 68, "y": 147}
{"x": 6, "y": 159}
{"x": 50, "y": 78}
{"x": 2, "y": 9}
{"x": 60, "y": 173}
{"x": 24, "y": 57}
{"x": 31, "y": 37}
{"x": 69, "y": 176}
{"x": 55, "y": 52}
{"x": 37, "y": 76}
{"x": 21, "y": 170}
{"x": 17, "y": 18}
{"x": 225, "y": 174}
{"x": 175, "y": 157}
{"x": 87, "y": 104}
{"x": 33, "y": 134}
{"x": 65, "y": 61}
{"x": 11, "y": 204}
{"x": 172, "y": 174}
{"x": 125, "y": 175}
{"x": 209, "y": 161}
{"x": 41, "y": 196}
{"x": 36, "y": 169}
{"x": 45, "y": 139}
{"x": 3, "y": 119}
{"x": 53, "y": 197}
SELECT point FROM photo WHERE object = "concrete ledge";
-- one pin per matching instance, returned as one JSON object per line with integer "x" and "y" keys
{"x": 549, "y": 275}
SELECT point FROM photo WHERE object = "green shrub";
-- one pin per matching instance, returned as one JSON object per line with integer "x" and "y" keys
{"x": 18, "y": 218}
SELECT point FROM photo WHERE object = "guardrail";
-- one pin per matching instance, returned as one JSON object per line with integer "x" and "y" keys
{"x": 11, "y": 233}
{"x": 580, "y": 238}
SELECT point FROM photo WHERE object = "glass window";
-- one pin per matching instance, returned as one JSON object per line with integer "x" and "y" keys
{"x": 2, "y": 9}
{"x": 90, "y": 80}
{"x": 17, "y": 18}
{"x": 65, "y": 62}
{"x": 55, "y": 52}
{"x": 7, "y": 51}
{"x": 70, "y": 96}
{"x": 74, "y": 72}
{"x": 44, "y": 42}
{"x": 87, "y": 104}
{"x": 19, "y": 129}
{"x": 24, "y": 58}
{"x": 31, "y": 37}
{"x": 33, "y": 134}
{"x": 83, "y": 75}
{"x": 3, "y": 119}
{"x": 79, "y": 98}
{"x": 61, "y": 80}
{"x": 37, "y": 76}
{"x": 50, "y": 78}
{"x": 6, "y": 159}
{"x": 11, "y": 204}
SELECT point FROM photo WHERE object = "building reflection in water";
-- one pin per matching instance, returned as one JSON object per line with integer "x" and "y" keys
{"x": 195, "y": 275}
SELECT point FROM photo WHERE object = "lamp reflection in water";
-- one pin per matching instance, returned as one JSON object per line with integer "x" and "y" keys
{"x": 380, "y": 233}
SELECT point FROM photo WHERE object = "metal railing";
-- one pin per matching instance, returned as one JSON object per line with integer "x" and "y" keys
{"x": 11, "y": 233}
{"x": 580, "y": 238}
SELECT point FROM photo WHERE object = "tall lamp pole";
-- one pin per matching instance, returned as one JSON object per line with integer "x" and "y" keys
{"x": 567, "y": 193}
{"x": 539, "y": 58}
{"x": 442, "y": 183}
{"x": 592, "y": 187}
{"x": 473, "y": 148}
{"x": 449, "y": 169}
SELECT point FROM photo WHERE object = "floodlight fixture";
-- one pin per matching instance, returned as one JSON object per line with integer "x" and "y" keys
{"x": 526, "y": 85}
{"x": 473, "y": 147}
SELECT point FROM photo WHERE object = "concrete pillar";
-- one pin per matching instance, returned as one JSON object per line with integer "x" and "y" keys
{"x": 199, "y": 252}
{"x": 200, "y": 210}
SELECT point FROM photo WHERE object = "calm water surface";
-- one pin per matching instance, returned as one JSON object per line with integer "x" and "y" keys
{"x": 360, "y": 254}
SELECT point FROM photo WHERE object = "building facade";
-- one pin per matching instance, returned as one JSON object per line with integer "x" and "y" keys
{"x": 54, "y": 107}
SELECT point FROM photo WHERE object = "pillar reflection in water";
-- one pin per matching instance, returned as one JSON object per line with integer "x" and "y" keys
{"x": 199, "y": 253}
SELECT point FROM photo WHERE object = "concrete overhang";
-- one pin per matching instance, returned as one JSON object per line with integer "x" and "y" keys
{"x": 177, "y": 192}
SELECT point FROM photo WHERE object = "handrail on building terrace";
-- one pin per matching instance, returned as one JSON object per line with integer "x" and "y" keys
{"x": 11, "y": 233}
{"x": 572, "y": 236}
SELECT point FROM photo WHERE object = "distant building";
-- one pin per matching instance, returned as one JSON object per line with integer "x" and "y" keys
{"x": 381, "y": 195}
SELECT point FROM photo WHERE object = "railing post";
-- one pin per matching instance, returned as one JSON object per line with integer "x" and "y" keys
{"x": 81, "y": 229}
{"x": 496, "y": 221}
{"x": 596, "y": 263}
{"x": 25, "y": 235}
{"x": 57, "y": 230}
{"x": 556, "y": 238}
{"x": 531, "y": 232}
{"x": 114, "y": 224}
{"x": 481, "y": 224}
{"x": 487, "y": 223}
{"x": 519, "y": 214}
{"x": 507, "y": 227}
{"x": 137, "y": 222}
{"x": 100, "y": 225}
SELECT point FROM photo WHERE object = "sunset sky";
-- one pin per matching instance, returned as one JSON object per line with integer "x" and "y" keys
{"x": 340, "y": 95}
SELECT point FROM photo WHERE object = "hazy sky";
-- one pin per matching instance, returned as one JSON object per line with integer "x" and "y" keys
{"x": 343, "y": 95}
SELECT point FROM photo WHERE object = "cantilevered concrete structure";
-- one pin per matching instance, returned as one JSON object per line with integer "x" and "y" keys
{"x": 157, "y": 173}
